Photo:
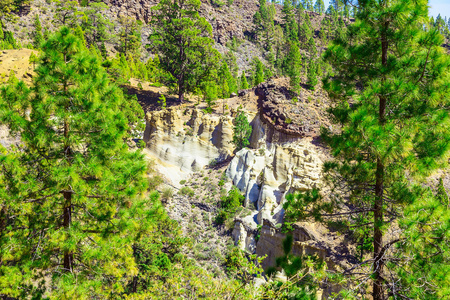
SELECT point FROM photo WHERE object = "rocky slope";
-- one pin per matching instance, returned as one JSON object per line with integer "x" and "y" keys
{"x": 283, "y": 157}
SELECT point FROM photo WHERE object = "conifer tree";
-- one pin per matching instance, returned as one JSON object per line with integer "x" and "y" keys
{"x": 290, "y": 26}
{"x": 336, "y": 5}
{"x": 312, "y": 49}
{"x": 312, "y": 74}
{"x": 305, "y": 30}
{"x": 226, "y": 80}
{"x": 264, "y": 22}
{"x": 423, "y": 259}
{"x": 258, "y": 71}
{"x": 130, "y": 38}
{"x": 242, "y": 131}
{"x": 244, "y": 83}
{"x": 67, "y": 190}
{"x": 390, "y": 97}
{"x": 96, "y": 26}
{"x": 33, "y": 59}
{"x": 319, "y": 7}
{"x": 396, "y": 76}
{"x": 37, "y": 35}
{"x": 183, "y": 41}
{"x": 8, "y": 8}
{"x": 66, "y": 13}
{"x": 294, "y": 66}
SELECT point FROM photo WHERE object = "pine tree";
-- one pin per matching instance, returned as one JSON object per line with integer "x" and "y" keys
{"x": 290, "y": 26}
{"x": 68, "y": 192}
{"x": 183, "y": 41}
{"x": 244, "y": 83}
{"x": 337, "y": 5}
{"x": 96, "y": 25}
{"x": 103, "y": 50}
{"x": 393, "y": 129}
{"x": 9, "y": 8}
{"x": 305, "y": 30}
{"x": 258, "y": 71}
{"x": 264, "y": 22}
{"x": 66, "y": 13}
{"x": 312, "y": 49}
{"x": 242, "y": 131}
{"x": 33, "y": 59}
{"x": 425, "y": 248}
{"x": 37, "y": 35}
{"x": 441, "y": 193}
{"x": 130, "y": 38}
{"x": 294, "y": 66}
{"x": 312, "y": 74}
{"x": 226, "y": 81}
{"x": 319, "y": 7}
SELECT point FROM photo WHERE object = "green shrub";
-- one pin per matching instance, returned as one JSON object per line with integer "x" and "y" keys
{"x": 221, "y": 217}
{"x": 182, "y": 182}
{"x": 154, "y": 182}
{"x": 242, "y": 131}
{"x": 167, "y": 193}
{"x": 186, "y": 191}
{"x": 229, "y": 205}
{"x": 162, "y": 101}
{"x": 233, "y": 200}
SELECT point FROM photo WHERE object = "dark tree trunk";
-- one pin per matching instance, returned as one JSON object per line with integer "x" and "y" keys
{"x": 180, "y": 90}
{"x": 378, "y": 293}
{"x": 67, "y": 208}
{"x": 67, "y": 215}
{"x": 378, "y": 264}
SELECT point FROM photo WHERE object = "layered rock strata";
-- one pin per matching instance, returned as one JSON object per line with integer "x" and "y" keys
{"x": 187, "y": 141}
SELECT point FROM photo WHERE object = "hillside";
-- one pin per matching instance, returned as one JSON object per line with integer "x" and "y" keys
{"x": 187, "y": 149}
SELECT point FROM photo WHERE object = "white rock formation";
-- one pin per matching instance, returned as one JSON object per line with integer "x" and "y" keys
{"x": 267, "y": 174}
{"x": 183, "y": 143}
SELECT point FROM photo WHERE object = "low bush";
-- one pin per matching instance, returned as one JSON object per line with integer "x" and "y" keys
{"x": 186, "y": 191}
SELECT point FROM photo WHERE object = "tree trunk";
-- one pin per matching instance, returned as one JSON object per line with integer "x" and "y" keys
{"x": 67, "y": 208}
{"x": 180, "y": 90}
{"x": 378, "y": 293}
{"x": 378, "y": 264}
{"x": 67, "y": 215}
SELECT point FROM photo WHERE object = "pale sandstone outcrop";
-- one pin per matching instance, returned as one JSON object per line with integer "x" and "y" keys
{"x": 266, "y": 175}
{"x": 187, "y": 142}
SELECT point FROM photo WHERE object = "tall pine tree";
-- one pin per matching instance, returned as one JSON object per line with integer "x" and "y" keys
{"x": 37, "y": 35}
{"x": 183, "y": 41}
{"x": 390, "y": 90}
{"x": 390, "y": 93}
{"x": 66, "y": 190}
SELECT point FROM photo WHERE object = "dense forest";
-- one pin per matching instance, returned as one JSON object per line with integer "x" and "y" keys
{"x": 84, "y": 214}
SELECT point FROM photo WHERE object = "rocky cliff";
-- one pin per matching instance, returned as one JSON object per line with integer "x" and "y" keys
{"x": 187, "y": 140}
{"x": 284, "y": 154}
{"x": 227, "y": 21}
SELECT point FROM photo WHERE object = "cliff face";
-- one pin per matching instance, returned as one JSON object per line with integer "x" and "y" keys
{"x": 187, "y": 140}
{"x": 267, "y": 174}
{"x": 226, "y": 21}
{"x": 283, "y": 156}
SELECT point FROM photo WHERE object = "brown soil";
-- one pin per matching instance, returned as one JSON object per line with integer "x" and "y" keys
{"x": 17, "y": 61}
{"x": 149, "y": 95}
